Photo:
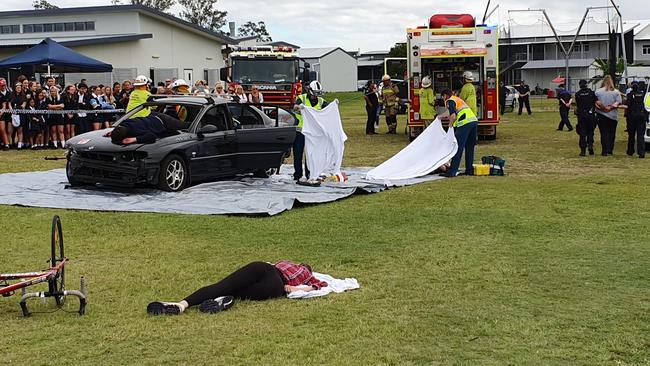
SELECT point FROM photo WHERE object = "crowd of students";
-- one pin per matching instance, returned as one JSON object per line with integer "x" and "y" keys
{"x": 33, "y": 130}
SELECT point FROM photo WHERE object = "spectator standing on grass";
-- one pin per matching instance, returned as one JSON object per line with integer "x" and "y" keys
{"x": 524, "y": 97}
{"x": 35, "y": 127}
{"x": 5, "y": 118}
{"x": 219, "y": 90}
{"x": 109, "y": 103}
{"x": 372, "y": 102}
{"x": 16, "y": 129}
{"x": 565, "y": 101}
{"x": 83, "y": 103}
{"x": 428, "y": 102}
{"x": 637, "y": 117}
{"x": 54, "y": 102}
{"x": 608, "y": 101}
{"x": 240, "y": 96}
{"x": 95, "y": 105}
{"x": 123, "y": 97}
{"x": 71, "y": 103}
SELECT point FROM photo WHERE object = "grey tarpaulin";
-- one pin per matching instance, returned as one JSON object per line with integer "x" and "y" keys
{"x": 243, "y": 195}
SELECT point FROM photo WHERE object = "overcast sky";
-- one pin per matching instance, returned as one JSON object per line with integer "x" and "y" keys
{"x": 377, "y": 24}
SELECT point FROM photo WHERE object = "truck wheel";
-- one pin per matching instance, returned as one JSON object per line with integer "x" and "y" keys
{"x": 265, "y": 173}
{"x": 68, "y": 173}
{"x": 173, "y": 176}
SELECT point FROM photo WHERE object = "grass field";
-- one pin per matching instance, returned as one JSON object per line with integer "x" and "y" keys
{"x": 549, "y": 265}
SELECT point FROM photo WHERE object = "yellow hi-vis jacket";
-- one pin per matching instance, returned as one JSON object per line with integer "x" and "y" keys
{"x": 137, "y": 98}
{"x": 464, "y": 114}
{"x": 647, "y": 102}
{"x": 303, "y": 99}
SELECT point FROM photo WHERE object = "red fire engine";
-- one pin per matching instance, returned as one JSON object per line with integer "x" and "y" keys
{"x": 449, "y": 46}
{"x": 274, "y": 70}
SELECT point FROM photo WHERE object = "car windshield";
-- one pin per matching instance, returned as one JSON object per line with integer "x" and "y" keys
{"x": 248, "y": 71}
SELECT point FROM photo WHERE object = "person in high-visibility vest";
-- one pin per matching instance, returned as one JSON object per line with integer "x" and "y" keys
{"x": 468, "y": 91}
{"x": 390, "y": 100}
{"x": 179, "y": 87}
{"x": 427, "y": 102}
{"x": 465, "y": 124}
{"x": 139, "y": 96}
{"x": 311, "y": 99}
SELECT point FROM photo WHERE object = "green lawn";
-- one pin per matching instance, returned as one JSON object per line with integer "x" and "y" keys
{"x": 548, "y": 265}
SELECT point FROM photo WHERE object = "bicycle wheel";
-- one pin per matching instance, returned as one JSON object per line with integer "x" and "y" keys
{"x": 57, "y": 283}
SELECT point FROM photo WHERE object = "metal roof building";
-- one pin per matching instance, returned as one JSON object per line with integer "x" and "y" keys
{"x": 335, "y": 68}
{"x": 133, "y": 38}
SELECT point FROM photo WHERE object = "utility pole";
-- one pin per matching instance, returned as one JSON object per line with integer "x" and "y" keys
{"x": 620, "y": 17}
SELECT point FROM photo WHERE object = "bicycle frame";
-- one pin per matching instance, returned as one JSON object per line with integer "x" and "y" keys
{"x": 29, "y": 278}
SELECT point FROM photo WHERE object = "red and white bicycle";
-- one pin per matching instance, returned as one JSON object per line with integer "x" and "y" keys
{"x": 54, "y": 276}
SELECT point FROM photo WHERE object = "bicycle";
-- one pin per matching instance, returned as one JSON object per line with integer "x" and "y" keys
{"x": 54, "y": 276}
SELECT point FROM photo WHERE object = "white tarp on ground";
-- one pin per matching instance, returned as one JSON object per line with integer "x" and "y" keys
{"x": 324, "y": 139}
{"x": 240, "y": 195}
{"x": 429, "y": 151}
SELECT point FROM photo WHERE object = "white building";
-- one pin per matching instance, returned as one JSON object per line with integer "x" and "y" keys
{"x": 134, "y": 39}
{"x": 334, "y": 67}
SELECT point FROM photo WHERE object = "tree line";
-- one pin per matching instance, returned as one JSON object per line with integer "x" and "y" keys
{"x": 203, "y": 13}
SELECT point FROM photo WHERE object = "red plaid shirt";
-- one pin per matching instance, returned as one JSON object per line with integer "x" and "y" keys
{"x": 298, "y": 274}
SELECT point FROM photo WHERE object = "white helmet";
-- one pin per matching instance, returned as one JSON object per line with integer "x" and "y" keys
{"x": 315, "y": 87}
{"x": 385, "y": 77}
{"x": 178, "y": 83}
{"x": 426, "y": 82}
{"x": 467, "y": 75}
{"x": 141, "y": 80}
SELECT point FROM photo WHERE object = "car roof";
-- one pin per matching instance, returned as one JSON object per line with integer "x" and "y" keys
{"x": 188, "y": 99}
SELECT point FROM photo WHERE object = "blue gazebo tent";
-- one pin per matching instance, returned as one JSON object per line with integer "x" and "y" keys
{"x": 55, "y": 57}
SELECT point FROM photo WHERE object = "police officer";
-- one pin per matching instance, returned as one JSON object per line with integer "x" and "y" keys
{"x": 586, "y": 111}
{"x": 564, "y": 99}
{"x": 524, "y": 93}
{"x": 390, "y": 100}
{"x": 465, "y": 125}
{"x": 311, "y": 99}
{"x": 637, "y": 116}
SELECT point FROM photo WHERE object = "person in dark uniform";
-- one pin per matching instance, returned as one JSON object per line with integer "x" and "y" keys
{"x": 503, "y": 93}
{"x": 565, "y": 100}
{"x": 637, "y": 116}
{"x": 145, "y": 130}
{"x": 372, "y": 102}
{"x": 586, "y": 111}
{"x": 524, "y": 94}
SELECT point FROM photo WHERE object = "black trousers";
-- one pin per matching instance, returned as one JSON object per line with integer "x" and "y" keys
{"x": 607, "y": 128}
{"x": 585, "y": 129}
{"x": 254, "y": 281}
{"x": 298, "y": 151}
{"x": 524, "y": 101}
{"x": 171, "y": 123}
{"x": 635, "y": 135}
{"x": 372, "y": 117}
{"x": 564, "y": 119}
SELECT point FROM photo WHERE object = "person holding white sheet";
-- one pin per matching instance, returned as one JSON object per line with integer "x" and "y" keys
{"x": 310, "y": 99}
{"x": 465, "y": 124}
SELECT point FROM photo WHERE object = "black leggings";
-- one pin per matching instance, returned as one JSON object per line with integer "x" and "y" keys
{"x": 254, "y": 281}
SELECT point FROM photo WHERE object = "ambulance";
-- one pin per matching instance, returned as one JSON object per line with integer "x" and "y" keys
{"x": 444, "y": 50}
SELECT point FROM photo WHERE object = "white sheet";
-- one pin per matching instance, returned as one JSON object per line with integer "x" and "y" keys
{"x": 324, "y": 139}
{"x": 433, "y": 148}
{"x": 333, "y": 285}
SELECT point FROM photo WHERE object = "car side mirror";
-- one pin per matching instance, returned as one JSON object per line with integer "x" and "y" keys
{"x": 206, "y": 130}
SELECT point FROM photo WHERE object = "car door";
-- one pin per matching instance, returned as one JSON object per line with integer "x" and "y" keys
{"x": 260, "y": 146}
{"x": 215, "y": 155}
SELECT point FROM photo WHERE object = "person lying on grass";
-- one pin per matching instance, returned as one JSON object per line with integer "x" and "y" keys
{"x": 255, "y": 281}
{"x": 145, "y": 130}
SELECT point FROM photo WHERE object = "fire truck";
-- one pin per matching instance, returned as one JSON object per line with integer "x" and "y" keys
{"x": 274, "y": 70}
{"x": 449, "y": 46}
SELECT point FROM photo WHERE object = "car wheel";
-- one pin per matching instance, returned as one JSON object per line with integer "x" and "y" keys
{"x": 173, "y": 174}
{"x": 68, "y": 172}
{"x": 265, "y": 173}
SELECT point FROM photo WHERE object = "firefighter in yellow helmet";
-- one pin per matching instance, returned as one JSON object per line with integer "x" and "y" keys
{"x": 139, "y": 96}
{"x": 390, "y": 100}
{"x": 468, "y": 91}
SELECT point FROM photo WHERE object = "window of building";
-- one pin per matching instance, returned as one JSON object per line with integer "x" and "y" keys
{"x": 90, "y": 26}
{"x": 54, "y": 27}
{"x": 646, "y": 49}
{"x": 28, "y": 28}
{"x": 585, "y": 47}
{"x": 8, "y": 29}
{"x": 58, "y": 27}
{"x": 80, "y": 26}
{"x": 68, "y": 27}
{"x": 38, "y": 28}
{"x": 48, "y": 27}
